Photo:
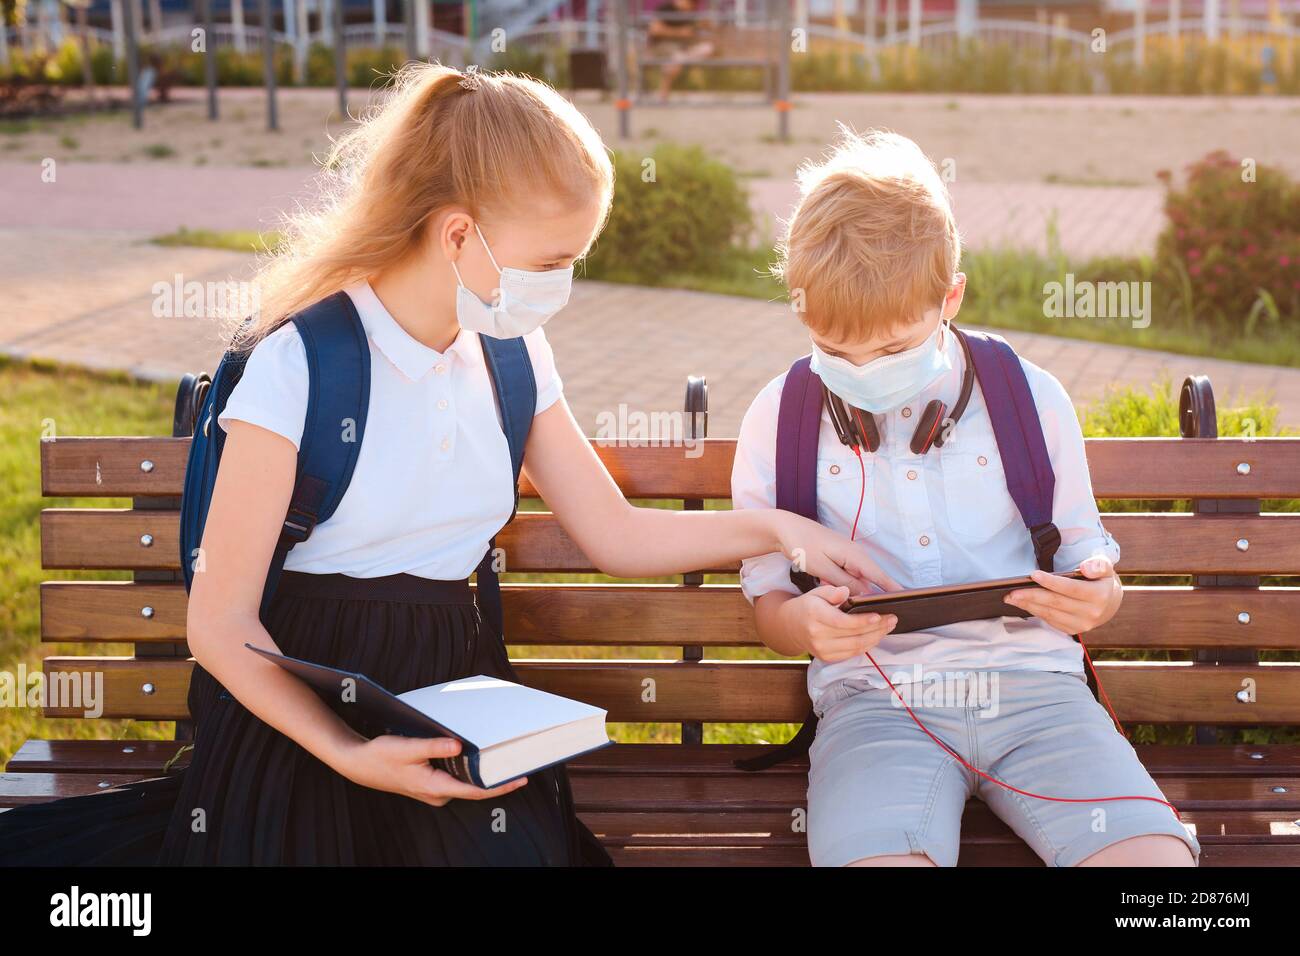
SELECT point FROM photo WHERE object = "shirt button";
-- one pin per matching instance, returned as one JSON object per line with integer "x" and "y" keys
{"x": 835, "y": 469}
{"x": 446, "y": 444}
{"x": 924, "y": 540}
{"x": 907, "y": 413}
{"x": 982, "y": 460}
{"x": 911, "y": 476}
{"x": 442, "y": 403}
{"x": 440, "y": 368}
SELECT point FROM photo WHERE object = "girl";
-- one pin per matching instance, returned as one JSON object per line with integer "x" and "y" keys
{"x": 466, "y": 189}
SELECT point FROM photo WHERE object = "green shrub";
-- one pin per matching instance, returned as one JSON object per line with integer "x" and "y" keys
{"x": 1234, "y": 244}
{"x": 675, "y": 210}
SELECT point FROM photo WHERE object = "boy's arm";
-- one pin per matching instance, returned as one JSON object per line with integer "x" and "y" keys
{"x": 788, "y": 622}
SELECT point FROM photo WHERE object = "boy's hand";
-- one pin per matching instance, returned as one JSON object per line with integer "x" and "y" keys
{"x": 815, "y": 622}
{"x": 1073, "y": 606}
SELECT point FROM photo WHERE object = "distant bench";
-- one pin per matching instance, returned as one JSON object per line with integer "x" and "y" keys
{"x": 673, "y": 804}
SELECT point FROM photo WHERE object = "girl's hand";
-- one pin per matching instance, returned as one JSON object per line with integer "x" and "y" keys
{"x": 815, "y": 623}
{"x": 1074, "y": 607}
{"x": 401, "y": 765}
{"x": 830, "y": 556}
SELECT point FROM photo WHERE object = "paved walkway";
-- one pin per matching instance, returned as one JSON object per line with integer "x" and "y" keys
{"x": 1090, "y": 220}
{"x": 74, "y": 297}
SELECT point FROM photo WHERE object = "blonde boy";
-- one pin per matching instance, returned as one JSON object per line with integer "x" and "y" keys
{"x": 871, "y": 258}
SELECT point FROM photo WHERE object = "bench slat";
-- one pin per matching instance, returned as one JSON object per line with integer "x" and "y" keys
{"x": 148, "y": 757}
{"x": 83, "y": 538}
{"x": 1120, "y": 468}
{"x": 110, "y": 467}
{"x": 734, "y": 691}
{"x": 668, "y": 615}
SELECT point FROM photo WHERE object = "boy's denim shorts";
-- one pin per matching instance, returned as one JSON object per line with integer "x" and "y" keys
{"x": 879, "y": 786}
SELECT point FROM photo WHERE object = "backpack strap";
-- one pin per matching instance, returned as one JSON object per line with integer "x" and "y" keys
{"x": 511, "y": 370}
{"x": 798, "y": 429}
{"x": 1031, "y": 481}
{"x": 338, "y": 398}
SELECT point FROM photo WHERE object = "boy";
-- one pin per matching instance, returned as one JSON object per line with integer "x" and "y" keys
{"x": 870, "y": 259}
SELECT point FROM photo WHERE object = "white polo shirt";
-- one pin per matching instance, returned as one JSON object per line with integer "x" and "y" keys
{"x": 433, "y": 481}
{"x": 945, "y": 517}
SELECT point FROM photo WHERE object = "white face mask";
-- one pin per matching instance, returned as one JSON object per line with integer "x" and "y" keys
{"x": 886, "y": 382}
{"x": 525, "y": 300}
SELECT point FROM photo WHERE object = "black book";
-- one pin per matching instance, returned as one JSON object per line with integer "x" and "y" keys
{"x": 506, "y": 730}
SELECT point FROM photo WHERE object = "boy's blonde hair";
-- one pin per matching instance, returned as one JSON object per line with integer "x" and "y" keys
{"x": 872, "y": 244}
{"x": 491, "y": 142}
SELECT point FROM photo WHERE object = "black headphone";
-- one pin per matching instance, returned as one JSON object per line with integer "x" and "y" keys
{"x": 858, "y": 429}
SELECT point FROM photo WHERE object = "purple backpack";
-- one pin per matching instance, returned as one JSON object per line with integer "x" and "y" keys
{"x": 1016, "y": 426}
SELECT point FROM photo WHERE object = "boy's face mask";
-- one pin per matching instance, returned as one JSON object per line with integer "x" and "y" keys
{"x": 525, "y": 300}
{"x": 886, "y": 382}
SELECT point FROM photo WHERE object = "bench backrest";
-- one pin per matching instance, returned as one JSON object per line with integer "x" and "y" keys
{"x": 1219, "y": 627}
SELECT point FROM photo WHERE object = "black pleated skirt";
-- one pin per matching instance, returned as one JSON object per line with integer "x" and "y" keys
{"x": 251, "y": 796}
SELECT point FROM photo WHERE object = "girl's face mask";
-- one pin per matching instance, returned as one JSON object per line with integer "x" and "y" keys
{"x": 524, "y": 302}
{"x": 887, "y": 382}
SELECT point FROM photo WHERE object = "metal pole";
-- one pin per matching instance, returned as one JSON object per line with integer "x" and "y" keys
{"x": 408, "y": 18}
{"x": 1140, "y": 32}
{"x": 624, "y": 105}
{"x": 340, "y": 59}
{"x": 783, "y": 76}
{"x": 210, "y": 59}
{"x": 133, "y": 64}
{"x": 268, "y": 64}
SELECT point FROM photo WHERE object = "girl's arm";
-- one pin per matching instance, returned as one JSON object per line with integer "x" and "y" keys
{"x": 247, "y": 511}
{"x": 629, "y": 542}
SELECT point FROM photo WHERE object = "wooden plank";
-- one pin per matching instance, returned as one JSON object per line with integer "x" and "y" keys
{"x": 703, "y": 824}
{"x": 1185, "y": 617}
{"x": 143, "y": 757}
{"x": 1213, "y": 854}
{"x": 113, "y": 467}
{"x": 672, "y": 691}
{"x": 670, "y": 615}
{"x": 1120, "y": 468}
{"x": 1161, "y": 760}
{"x": 110, "y": 538}
{"x": 112, "y": 611}
{"x": 110, "y": 467}
{"x": 1206, "y": 544}
{"x": 21, "y": 789}
{"x": 1194, "y": 467}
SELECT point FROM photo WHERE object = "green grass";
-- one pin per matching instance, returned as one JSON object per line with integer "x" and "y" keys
{"x": 234, "y": 240}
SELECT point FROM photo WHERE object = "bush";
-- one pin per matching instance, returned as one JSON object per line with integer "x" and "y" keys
{"x": 1234, "y": 243}
{"x": 675, "y": 211}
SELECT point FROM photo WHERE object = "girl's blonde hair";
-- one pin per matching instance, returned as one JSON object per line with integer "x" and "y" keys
{"x": 872, "y": 244}
{"x": 484, "y": 141}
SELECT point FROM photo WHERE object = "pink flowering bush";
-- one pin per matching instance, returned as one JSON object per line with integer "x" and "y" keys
{"x": 1233, "y": 244}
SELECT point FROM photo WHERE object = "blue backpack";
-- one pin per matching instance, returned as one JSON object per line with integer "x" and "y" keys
{"x": 1031, "y": 482}
{"x": 338, "y": 354}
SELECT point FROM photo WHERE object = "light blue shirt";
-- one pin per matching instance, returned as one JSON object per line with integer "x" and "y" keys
{"x": 941, "y": 518}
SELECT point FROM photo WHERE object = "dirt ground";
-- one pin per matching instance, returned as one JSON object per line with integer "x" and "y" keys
{"x": 1082, "y": 141}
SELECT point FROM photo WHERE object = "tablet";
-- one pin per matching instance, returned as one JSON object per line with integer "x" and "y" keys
{"x": 924, "y": 608}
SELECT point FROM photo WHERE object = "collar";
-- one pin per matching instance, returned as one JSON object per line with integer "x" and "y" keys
{"x": 412, "y": 358}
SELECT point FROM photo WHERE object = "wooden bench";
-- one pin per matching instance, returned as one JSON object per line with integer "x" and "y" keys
{"x": 684, "y": 803}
